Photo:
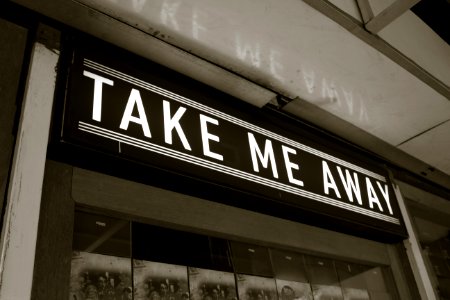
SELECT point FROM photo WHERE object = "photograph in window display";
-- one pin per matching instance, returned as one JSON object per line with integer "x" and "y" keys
{"x": 211, "y": 285}
{"x": 159, "y": 281}
{"x": 100, "y": 277}
{"x": 293, "y": 290}
{"x": 256, "y": 288}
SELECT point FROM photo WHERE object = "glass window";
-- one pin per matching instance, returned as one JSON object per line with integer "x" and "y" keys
{"x": 435, "y": 241}
{"x": 115, "y": 260}
{"x": 324, "y": 280}
{"x": 251, "y": 259}
{"x": 288, "y": 265}
{"x": 153, "y": 243}
{"x": 101, "y": 234}
{"x": 159, "y": 281}
{"x": 290, "y": 275}
{"x": 211, "y": 284}
{"x": 252, "y": 287}
{"x": 101, "y": 264}
{"x": 353, "y": 281}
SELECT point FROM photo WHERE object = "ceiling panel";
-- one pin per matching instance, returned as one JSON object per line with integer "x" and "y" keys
{"x": 411, "y": 36}
{"x": 349, "y": 6}
{"x": 298, "y": 52}
{"x": 433, "y": 147}
{"x": 379, "y": 5}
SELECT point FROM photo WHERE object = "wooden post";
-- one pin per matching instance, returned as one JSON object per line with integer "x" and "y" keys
{"x": 19, "y": 231}
{"x": 414, "y": 252}
{"x": 54, "y": 244}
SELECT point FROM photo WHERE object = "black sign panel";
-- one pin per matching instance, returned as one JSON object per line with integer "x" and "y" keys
{"x": 137, "y": 114}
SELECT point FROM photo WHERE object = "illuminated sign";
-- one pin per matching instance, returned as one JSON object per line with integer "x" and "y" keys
{"x": 145, "y": 117}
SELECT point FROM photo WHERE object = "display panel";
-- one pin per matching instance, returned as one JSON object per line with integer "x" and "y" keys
{"x": 97, "y": 276}
{"x": 288, "y": 265}
{"x": 292, "y": 290}
{"x": 211, "y": 285}
{"x": 324, "y": 280}
{"x": 151, "y": 243}
{"x": 256, "y": 287}
{"x": 251, "y": 259}
{"x": 288, "y": 275}
{"x": 353, "y": 280}
{"x": 159, "y": 281}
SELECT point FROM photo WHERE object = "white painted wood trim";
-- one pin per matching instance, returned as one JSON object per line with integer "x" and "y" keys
{"x": 388, "y": 15}
{"x": 365, "y": 10}
{"x": 414, "y": 252}
{"x": 20, "y": 227}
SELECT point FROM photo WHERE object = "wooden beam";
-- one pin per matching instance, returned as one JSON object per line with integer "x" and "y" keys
{"x": 54, "y": 244}
{"x": 389, "y": 14}
{"x": 357, "y": 28}
{"x": 19, "y": 232}
{"x": 365, "y": 10}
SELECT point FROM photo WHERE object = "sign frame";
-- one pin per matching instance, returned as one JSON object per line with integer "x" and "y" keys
{"x": 339, "y": 160}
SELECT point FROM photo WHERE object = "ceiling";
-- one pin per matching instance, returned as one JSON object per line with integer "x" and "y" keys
{"x": 436, "y": 14}
{"x": 370, "y": 71}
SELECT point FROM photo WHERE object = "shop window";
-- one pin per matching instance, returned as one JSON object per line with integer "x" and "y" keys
{"x": 288, "y": 266}
{"x": 290, "y": 275}
{"x": 153, "y": 243}
{"x": 159, "y": 281}
{"x": 251, "y": 259}
{"x": 115, "y": 260}
{"x": 256, "y": 287}
{"x": 353, "y": 279}
{"x": 102, "y": 235}
{"x": 323, "y": 277}
{"x": 207, "y": 284}
{"x": 435, "y": 241}
{"x": 438, "y": 255}
{"x": 101, "y": 261}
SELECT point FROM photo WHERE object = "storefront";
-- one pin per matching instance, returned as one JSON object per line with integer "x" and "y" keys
{"x": 146, "y": 122}
{"x": 157, "y": 186}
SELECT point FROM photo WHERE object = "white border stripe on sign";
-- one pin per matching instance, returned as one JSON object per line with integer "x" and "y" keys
{"x": 122, "y": 138}
{"x": 219, "y": 114}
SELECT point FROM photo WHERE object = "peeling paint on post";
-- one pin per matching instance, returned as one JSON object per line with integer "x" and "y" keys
{"x": 19, "y": 234}
{"x": 414, "y": 252}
